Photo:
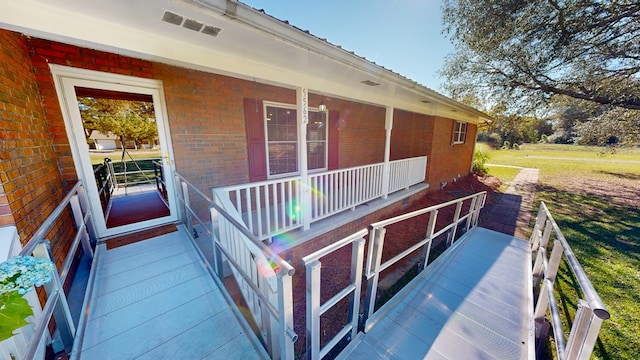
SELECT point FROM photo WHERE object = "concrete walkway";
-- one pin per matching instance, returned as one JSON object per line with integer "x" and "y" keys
{"x": 511, "y": 215}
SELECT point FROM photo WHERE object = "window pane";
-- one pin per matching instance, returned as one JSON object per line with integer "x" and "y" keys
{"x": 316, "y": 151}
{"x": 317, "y": 127}
{"x": 281, "y": 124}
{"x": 283, "y": 158}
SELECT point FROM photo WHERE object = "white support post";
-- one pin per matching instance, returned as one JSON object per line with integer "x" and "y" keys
{"x": 302, "y": 107}
{"x": 386, "y": 170}
{"x": 285, "y": 310}
{"x": 313, "y": 310}
{"x": 584, "y": 332}
{"x": 61, "y": 313}
{"x": 187, "y": 214}
{"x": 78, "y": 218}
{"x": 433, "y": 216}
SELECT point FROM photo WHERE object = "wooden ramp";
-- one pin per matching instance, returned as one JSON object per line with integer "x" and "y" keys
{"x": 474, "y": 303}
{"x": 154, "y": 300}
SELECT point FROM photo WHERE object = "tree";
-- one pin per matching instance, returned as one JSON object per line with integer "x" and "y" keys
{"x": 513, "y": 128}
{"x": 588, "y": 123}
{"x": 525, "y": 52}
{"x": 127, "y": 119}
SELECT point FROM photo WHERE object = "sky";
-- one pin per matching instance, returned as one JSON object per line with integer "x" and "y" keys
{"x": 404, "y": 36}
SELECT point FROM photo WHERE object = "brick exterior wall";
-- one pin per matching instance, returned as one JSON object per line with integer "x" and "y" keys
{"x": 207, "y": 121}
{"x": 43, "y": 53}
{"x": 447, "y": 161}
{"x": 30, "y": 182}
{"x": 361, "y": 133}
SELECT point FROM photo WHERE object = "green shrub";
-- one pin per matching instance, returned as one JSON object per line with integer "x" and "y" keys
{"x": 479, "y": 161}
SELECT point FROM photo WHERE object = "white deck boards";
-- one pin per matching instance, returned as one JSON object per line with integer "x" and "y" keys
{"x": 475, "y": 303}
{"x": 154, "y": 300}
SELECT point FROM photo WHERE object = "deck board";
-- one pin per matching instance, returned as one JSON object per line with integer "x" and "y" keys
{"x": 161, "y": 305}
{"x": 474, "y": 304}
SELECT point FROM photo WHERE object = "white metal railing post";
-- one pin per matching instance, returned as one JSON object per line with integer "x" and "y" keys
{"x": 315, "y": 309}
{"x": 590, "y": 311}
{"x": 187, "y": 219}
{"x": 287, "y": 336}
{"x": 386, "y": 171}
{"x": 584, "y": 332}
{"x": 451, "y": 237}
{"x": 431, "y": 226}
{"x": 81, "y": 227}
{"x": 374, "y": 258}
{"x": 215, "y": 234}
{"x": 61, "y": 312}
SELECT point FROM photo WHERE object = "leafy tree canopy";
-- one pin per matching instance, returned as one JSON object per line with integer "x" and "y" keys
{"x": 531, "y": 50}
{"x": 126, "y": 119}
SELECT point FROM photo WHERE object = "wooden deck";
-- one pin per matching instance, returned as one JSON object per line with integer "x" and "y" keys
{"x": 154, "y": 300}
{"x": 475, "y": 303}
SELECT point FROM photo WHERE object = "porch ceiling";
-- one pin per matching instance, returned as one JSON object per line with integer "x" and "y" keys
{"x": 251, "y": 45}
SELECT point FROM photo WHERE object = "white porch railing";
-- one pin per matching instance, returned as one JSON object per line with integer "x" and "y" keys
{"x": 273, "y": 207}
{"x": 590, "y": 311}
{"x": 267, "y": 208}
{"x": 315, "y": 309}
{"x": 31, "y": 345}
{"x": 374, "y": 266}
{"x": 406, "y": 172}
{"x": 263, "y": 277}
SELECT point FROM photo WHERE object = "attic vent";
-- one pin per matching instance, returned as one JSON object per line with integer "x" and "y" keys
{"x": 370, "y": 83}
{"x": 425, "y": 101}
{"x": 172, "y": 18}
{"x": 211, "y": 30}
{"x": 192, "y": 25}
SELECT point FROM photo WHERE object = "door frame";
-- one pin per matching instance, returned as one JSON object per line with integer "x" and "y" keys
{"x": 66, "y": 79}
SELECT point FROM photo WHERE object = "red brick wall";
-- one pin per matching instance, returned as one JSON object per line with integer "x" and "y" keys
{"x": 206, "y": 120}
{"x": 446, "y": 161}
{"x": 43, "y": 53}
{"x": 207, "y": 123}
{"x": 411, "y": 135}
{"x": 30, "y": 183}
{"x": 361, "y": 132}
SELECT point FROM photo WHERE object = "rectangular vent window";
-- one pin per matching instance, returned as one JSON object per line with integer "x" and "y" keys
{"x": 172, "y": 18}
{"x": 370, "y": 83}
{"x": 192, "y": 25}
{"x": 211, "y": 30}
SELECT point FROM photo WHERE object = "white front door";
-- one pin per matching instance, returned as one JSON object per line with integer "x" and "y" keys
{"x": 131, "y": 157}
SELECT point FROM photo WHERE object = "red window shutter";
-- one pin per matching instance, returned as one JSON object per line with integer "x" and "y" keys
{"x": 334, "y": 125}
{"x": 256, "y": 140}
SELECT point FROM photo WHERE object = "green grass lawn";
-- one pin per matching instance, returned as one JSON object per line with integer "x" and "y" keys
{"x": 595, "y": 199}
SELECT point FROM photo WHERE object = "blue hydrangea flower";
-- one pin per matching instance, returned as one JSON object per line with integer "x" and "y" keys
{"x": 21, "y": 273}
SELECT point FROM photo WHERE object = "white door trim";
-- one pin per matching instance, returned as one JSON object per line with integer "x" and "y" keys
{"x": 65, "y": 79}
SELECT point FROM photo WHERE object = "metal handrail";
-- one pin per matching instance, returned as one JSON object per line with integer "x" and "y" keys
{"x": 406, "y": 216}
{"x": 56, "y": 304}
{"x": 282, "y": 265}
{"x": 588, "y": 290}
{"x": 38, "y": 236}
{"x": 374, "y": 265}
{"x": 282, "y": 271}
{"x": 590, "y": 311}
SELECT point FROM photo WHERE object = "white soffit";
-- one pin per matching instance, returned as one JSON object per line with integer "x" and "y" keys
{"x": 249, "y": 45}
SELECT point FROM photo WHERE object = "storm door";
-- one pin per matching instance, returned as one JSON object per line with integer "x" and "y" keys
{"x": 121, "y": 147}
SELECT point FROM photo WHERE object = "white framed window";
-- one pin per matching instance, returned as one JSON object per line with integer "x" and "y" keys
{"x": 459, "y": 132}
{"x": 282, "y": 140}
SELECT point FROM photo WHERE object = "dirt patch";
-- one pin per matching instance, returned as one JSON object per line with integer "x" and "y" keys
{"x": 336, "y": 267}
{"x": 621, "y": 189}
